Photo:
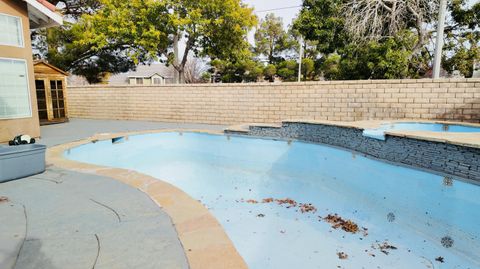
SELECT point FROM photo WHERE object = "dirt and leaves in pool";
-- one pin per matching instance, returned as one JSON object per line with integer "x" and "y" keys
{"x": 335, "y": 221}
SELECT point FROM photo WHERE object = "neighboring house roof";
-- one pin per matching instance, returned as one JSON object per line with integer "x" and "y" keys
{"x": 42, "y": 14}
{"x": 143, "y": 71}
{"x": 145, "y": 76}
{"x": 38, "y": 62}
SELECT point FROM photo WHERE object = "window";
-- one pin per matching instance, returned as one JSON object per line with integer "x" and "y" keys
{"x": 157, "y": 81}
{"x": 139, "y": 81}
{"x": 14, "y": 90}
{"x": 41, "y": 99}
{"x": 12, "y": 31}
{"x": 58, "y": 102}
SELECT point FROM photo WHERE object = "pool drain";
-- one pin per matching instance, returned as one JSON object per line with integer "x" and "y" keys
{"x": 447, "y": 242}
{"x": 448, "y": 181}
{"x": 391, "y": 217}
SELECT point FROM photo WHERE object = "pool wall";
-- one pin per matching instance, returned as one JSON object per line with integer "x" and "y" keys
{"x": 444, "y": 158}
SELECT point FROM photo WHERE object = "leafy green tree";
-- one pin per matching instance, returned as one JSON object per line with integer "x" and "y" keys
{"x": 105, "y": 36}
{"x": 211, "y": 28}
{"x": 462, "y": 38}
{"x": 271, "y": 39}
{"x": 269, "y": 72}
{"x": 388, "y": 59}
{"x": 74, "y": 9}
{"x": 114, "y": 35}
{"x": 246, "y": 70}
{"x": 331, "y": 67}
{"x": 321, "y": 21}
{"x": 288, "y": 70}
{"x": 308, "y": 69}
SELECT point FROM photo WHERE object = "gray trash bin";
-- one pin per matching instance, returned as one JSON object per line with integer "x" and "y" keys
{"x": 21, "y": 161}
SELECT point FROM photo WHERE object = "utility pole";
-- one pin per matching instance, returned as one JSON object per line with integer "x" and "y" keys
{"x": 176, "y": 75}
{"x": 439, "y": 44}
{"x": 300, "y": 56}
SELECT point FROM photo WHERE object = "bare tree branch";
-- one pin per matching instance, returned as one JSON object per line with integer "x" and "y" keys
{"x": 369, "y": 20}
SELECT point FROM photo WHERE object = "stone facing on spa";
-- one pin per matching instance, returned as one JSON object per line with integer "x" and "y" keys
{"x": 456, "y": 160}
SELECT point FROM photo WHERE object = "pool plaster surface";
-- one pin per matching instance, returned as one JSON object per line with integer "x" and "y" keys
{"x": 69, "y": 217}
{"x": 205, "y": 244}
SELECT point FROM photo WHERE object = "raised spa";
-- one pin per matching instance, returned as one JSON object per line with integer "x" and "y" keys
{"x": 379, "y": 133}
{"x": 405, "y": 218}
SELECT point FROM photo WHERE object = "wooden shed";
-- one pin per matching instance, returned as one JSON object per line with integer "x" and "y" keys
{"x": 51, "y": 89}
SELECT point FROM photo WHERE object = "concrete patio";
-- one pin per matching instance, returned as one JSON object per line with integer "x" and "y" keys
{"x": 66, "y": 219}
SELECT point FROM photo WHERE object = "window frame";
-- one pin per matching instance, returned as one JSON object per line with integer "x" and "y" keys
{"x": 28, "y": 90}
{"x": 155, "y": 79}
{"x": 138, "y": 78}
{"x": 22, "y": 37}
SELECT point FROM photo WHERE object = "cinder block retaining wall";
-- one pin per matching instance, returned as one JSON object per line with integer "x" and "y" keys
{"x": 457, "y": 100}
{"x": 449, "y": 159}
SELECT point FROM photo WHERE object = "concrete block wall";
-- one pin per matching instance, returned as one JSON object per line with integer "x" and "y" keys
{"x": 445, "y": 99}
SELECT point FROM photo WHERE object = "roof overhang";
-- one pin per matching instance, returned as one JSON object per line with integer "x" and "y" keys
{"x": 42, "y": 14}
{"x": 51, "y": 66}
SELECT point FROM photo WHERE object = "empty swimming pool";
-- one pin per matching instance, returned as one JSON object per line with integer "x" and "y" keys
{"x": 379, "y": 133}
{"x": 343, "y": 210}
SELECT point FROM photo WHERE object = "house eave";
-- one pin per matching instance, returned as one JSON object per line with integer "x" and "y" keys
{"x": 41, "y": 16}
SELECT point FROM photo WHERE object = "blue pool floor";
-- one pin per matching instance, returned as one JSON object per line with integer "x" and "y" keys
{"x": 430, "y": 224}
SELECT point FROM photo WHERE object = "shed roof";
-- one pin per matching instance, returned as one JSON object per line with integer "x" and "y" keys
{"x": 52, "y": 67}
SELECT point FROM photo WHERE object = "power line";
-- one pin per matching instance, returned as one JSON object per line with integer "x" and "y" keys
{"x": 275, "y": 9}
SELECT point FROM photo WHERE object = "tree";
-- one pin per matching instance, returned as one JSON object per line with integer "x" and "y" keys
{"x": 308, "y": 69}
{"x": 135, "y": 30}
{"x": 105, "y": 36}
{"x": 113, "y": 36}
{"x": 321, "y": 21}
{"x": 271, "y": 40}
{"x": 462, "y": 38}
{"x": 288, "y": 70}
{"x": 74, "y": 9}
{"x": 374, "y": 20}
{"x": 246, "y": 70}
{"x": 211, "y": 28}
{"x": 388, "y": 59}
{"x": 269, "y": 72}
{"x": 194, "y": 69}
{"x": 365, "y": 39}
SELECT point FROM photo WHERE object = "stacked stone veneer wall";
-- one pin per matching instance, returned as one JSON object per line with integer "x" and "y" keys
{"x": 267, "y": 103}
{"x": 444, "y": 158}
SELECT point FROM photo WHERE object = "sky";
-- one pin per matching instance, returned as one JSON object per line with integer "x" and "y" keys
{"x": 286, "y": 14}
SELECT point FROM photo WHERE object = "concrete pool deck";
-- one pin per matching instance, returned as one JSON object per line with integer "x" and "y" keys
{"x": 79, "y": 216}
